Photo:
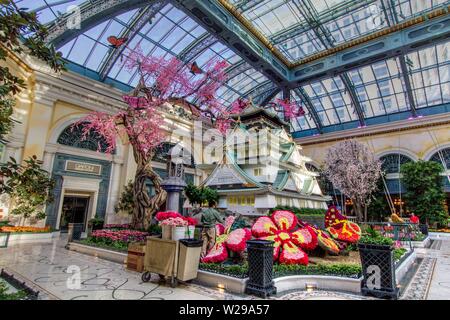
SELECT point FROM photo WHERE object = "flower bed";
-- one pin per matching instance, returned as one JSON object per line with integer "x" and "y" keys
{"x": 115, "y": 239}
{"x": 12, "y": 229}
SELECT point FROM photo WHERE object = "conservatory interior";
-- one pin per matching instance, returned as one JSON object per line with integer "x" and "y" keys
{"x": 224, "y": 149}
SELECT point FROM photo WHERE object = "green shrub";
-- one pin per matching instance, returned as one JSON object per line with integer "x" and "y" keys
{"x": 398, "y": 253}
{"x": 300, "y": 211}
{"x": 5, "y": 295}
{"x": 280, "y": 270}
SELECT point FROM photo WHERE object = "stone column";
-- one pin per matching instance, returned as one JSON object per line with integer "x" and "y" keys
{"x": 173, "y": 186}
{"x": 114, "y": 188}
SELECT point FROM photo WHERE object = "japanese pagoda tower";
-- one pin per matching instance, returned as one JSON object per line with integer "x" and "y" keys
{"x": 263, "y": 169}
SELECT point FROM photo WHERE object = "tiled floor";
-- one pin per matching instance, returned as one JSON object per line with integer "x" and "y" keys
{"x": 49, "y": 268}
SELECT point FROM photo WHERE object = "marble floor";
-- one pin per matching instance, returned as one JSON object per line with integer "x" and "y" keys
{"x": 61, "y": 274}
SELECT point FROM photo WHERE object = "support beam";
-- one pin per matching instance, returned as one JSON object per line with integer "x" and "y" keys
{"x": 408, "y": 86}
{"x": 310, "y": 106}
{"x": 354, "y": 98}
{"x": 265, "y": 98}
{"x": 260, "y": 89}
{"x": 93, "y": 13}
{"x": 394, "y": 41}
{"x": 197, "y": 47}
{"x": 237, "y": 69}
{"x": 146, "y": 15}
{"x": 223, "y": 20}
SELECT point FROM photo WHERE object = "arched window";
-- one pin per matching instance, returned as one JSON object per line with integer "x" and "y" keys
{"x": 442, "y": 156}
{"x": 162, "y": 154}
{"x": 72, "y": 136}
{"x": 391, "y": 163}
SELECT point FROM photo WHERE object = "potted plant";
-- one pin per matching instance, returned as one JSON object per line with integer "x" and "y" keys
{"x": 175, "y": 227}
{"x": 95, "y": 224}
{"x": 378, "y": 265}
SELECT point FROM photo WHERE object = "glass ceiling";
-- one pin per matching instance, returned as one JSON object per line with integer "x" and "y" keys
{"x": 298, "y": 28}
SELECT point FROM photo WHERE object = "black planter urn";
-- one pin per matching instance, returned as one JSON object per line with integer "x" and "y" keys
{"x": 378, "y": 268}
{"x": 260, "y": 268}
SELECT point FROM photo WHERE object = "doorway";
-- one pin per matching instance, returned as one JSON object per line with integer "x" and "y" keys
{"x": 74, "y": 210}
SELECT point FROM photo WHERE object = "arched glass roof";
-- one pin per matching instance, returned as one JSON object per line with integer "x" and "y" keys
{"x": 409, "y": 83}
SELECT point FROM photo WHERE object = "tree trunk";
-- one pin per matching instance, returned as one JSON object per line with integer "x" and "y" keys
{"x": 144, "y": 205}
{"x": 359, "y": 210}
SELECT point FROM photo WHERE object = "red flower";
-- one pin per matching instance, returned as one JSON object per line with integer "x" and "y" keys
{"x": 161, "y": 216}
{"x": 288, "y": 244}
{"x": 235, "y": 241}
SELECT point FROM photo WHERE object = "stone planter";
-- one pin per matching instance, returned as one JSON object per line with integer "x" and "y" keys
{"x": 378, "y": 270}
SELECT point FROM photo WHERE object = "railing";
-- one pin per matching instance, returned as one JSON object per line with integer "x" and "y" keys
{"x": 403, "y": 232}
{"x": 352, "y": 219}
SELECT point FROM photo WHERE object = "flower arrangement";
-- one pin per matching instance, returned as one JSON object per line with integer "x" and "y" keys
{"x": 164, "y": 216}
{"x": 174, "y": 222}
{"x": 24, "y": 229}
{"x": 340, "y": 228}
{"x": 288, "y": 244}
{"x": 161, "y": 216}
{"x": 227, "y": 239}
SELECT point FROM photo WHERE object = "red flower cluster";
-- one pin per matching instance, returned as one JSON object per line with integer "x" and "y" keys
{"x": 161, "y": 216}
{"x": 120, "y": 235}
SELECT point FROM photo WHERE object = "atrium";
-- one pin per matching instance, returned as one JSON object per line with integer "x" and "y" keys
{"x": 182, "y": 148}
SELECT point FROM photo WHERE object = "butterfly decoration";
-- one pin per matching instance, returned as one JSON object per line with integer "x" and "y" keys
{"x": 116, "y": 42}
{"x": 195, "y": 69}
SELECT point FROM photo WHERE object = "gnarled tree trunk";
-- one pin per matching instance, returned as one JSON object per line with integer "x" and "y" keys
{"x": 359, "y": 210}
{"x": 144, "y": 205}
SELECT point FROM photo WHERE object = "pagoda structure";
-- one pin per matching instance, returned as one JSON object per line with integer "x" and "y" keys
{"x": 262, "y": 167}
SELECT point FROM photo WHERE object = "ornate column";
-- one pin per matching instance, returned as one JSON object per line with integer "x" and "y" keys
{"x": 114, "y": 187}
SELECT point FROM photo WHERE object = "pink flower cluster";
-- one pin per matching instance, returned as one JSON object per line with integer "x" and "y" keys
{"x": 163, "y": 216}
{"x": 175, "y": 222}
{"x": 120, "y": 235}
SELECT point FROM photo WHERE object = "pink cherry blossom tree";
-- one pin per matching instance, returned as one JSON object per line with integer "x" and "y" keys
{"x": 353, "y": 170}
{"x": 163, "y": 83}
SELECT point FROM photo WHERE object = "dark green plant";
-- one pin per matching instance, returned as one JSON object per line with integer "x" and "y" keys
{"x": 14, "y": 23}
{"x": 209, "y": 196}
{"x": 398, "y": 253}
{"x": 97, "y": 222}
{"x": 5, "y": 295}
{"x": 425, "y": 194}
{"x": 126, "y": 200}
{"x": 201, "y": 195}
{"x": 300, "y": 211}
{"x": 154, "y": 229}
{"x": 280, "y": 270}
{"x": 193, "y": 193}
{"x": 29, "y": 187}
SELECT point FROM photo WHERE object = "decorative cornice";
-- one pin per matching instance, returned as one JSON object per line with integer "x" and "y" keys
{"x": 396, "y": 126}
{"x": 372, "y": 36}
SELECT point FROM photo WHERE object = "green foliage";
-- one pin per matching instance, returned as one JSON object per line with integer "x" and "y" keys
{"x": 154, "y": 229}
{"x": 5, "y": 295}
{"x": 425, "y": 194}
{"x": 280, "y": 270}
{"x": 15, "y": 22}
{"x": 371, "y": 236}
{"x": 398, "y": 253}
{"x": 126, "y": 201}
{"x": 378, "y": 209}
{"x": 106, "y": 244}
{"x": 301, "y": 211}
{"x": 97, "y": 222}
{"x": 200, "y": 196}
{"x": 29, "y": 187}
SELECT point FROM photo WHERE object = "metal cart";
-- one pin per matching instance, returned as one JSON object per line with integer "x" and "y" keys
{"x": 173, "y": 260}
{"x": 161, "y": 257}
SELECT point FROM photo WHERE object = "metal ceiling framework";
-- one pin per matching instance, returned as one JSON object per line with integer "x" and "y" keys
{"x": 223, "y": 20}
